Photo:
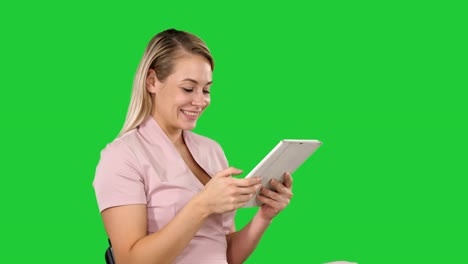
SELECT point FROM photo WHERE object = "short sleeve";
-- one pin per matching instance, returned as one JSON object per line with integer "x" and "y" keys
{"x": 118, "y": 180}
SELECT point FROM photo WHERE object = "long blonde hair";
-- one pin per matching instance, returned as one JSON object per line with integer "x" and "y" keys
{"x": 160, "y": 54}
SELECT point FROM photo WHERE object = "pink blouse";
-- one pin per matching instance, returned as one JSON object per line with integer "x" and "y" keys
{"x": 144, "y": 167}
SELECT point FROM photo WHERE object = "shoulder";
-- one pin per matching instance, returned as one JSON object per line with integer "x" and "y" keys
{"x": 120, "y": 149}
{"x": 117, "y": 161}
{"x": 118, "y": 178}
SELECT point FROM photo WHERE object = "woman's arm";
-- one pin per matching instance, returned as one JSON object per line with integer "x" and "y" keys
{"x": 127, "y": 230}
{"x": 242, "y": 243}
{"x": 126, "y": 225}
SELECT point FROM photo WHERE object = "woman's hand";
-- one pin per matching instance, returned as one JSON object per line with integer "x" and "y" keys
{"x": 224, "y": 193}
{"x": 275, "y": 201}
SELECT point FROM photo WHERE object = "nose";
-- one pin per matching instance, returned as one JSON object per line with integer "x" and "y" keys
{"x": 199, "y": 99}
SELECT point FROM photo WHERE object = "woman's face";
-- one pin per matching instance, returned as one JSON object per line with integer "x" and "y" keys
{"x": 184, "y": 95}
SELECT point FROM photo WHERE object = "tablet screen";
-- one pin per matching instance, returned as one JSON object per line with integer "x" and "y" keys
{"x": 286, "y": 156}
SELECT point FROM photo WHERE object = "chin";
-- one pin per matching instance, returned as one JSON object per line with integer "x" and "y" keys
{"x": 188, "y": 126}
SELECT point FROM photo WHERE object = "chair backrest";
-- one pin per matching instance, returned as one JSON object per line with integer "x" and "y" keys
{"x": 109, "y": 254}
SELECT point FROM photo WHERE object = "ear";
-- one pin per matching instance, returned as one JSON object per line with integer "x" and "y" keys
{"x": 153, "y": 85}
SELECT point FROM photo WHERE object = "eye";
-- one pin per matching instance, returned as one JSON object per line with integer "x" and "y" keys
{"x": 206, "y": 92}
{"x": 188, "y": 90}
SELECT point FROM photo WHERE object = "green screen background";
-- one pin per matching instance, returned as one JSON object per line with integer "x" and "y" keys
{"x": 381, "y": 83}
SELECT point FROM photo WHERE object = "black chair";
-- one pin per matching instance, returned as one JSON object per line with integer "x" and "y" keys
{"x": 109, "y": 254}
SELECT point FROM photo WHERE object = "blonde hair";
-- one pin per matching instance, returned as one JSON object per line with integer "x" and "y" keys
{"x": 160, "y": 54}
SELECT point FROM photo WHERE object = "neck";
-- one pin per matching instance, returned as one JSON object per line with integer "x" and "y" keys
{"x": 174, "y": 134}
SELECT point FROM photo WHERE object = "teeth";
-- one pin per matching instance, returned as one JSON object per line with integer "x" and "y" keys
{"x": 190, "y": 113}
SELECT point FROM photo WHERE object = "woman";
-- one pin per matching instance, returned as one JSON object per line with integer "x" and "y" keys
{"x": 164, "y": 192}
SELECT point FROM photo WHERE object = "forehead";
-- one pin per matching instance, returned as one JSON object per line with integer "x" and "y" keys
{"x": 193, "y": 67}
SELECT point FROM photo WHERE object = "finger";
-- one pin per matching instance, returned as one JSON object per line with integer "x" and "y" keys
{"x": 242, "y": 199}
{"x": 246, "y": 182}
{"x": 278, "y": 186}
{"x": 265, "y": 200}
{"x": 228, "y": 172}
{"x": 281, "y": 189}
{"x": 242, "y": 204}
{"x": 272, "y": 195}
{"x": 236, "y": 190}
{"x": 249, "y": 190}
{"x": 288, "y": 181}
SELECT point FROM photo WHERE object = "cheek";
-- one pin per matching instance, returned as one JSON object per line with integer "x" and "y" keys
{"x": 181, "y": 100}
{"x": 207, "y": 100}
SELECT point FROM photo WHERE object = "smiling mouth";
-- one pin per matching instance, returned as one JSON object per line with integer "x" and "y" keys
{"x": 190, "y": 113}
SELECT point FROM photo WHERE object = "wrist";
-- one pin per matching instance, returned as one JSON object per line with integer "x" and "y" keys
{"x": 201, "y": 206}
{"x": 262, "y": 218}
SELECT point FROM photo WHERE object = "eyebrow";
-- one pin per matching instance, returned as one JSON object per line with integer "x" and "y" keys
{"x": 195, "y": 82}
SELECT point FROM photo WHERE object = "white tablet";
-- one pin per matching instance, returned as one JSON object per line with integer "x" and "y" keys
{"x": 287, "y": 156}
